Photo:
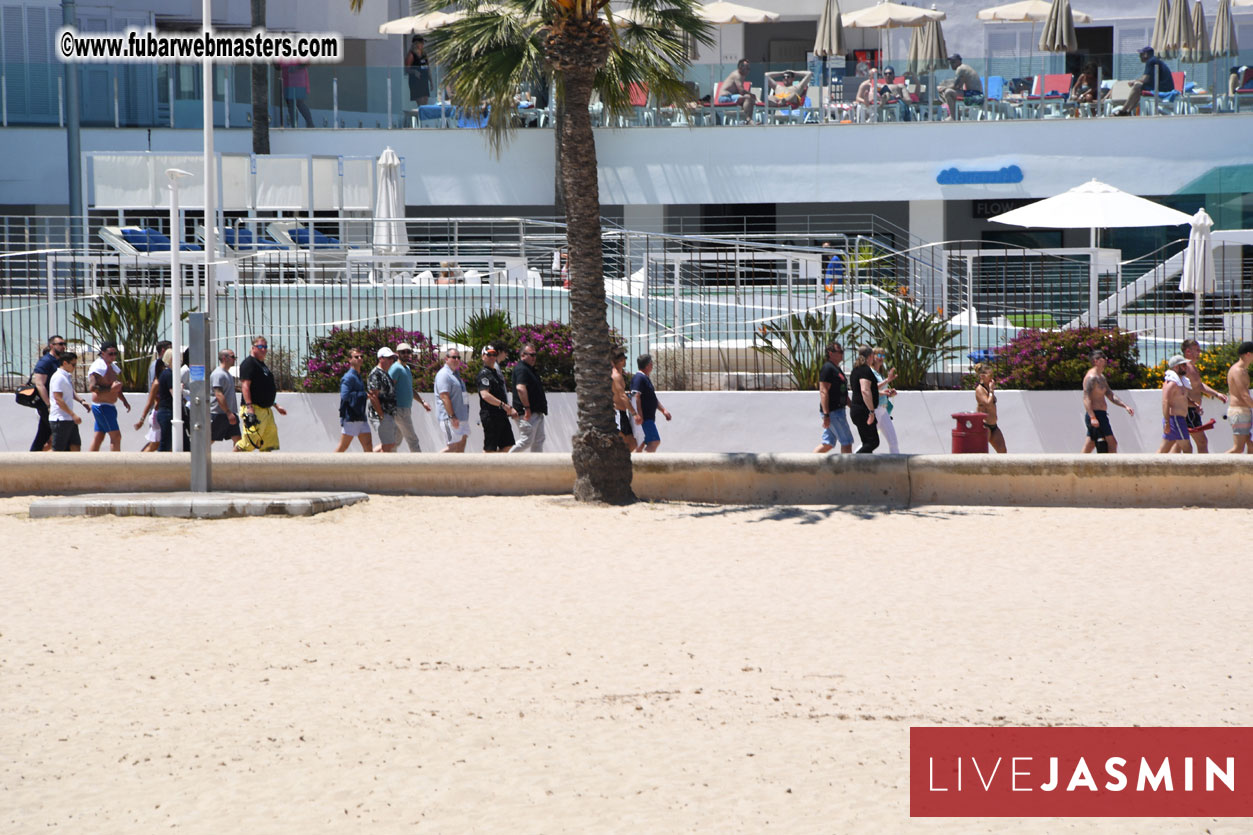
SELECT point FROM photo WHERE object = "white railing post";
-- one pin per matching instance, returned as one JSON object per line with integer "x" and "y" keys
{"x": 389, "y": 102}
{"x": 61, "y": 102}
{"x": 335, "y": 102}
{"x": 117, "y": 112}
{"x": 4, "y": 100}
{"x": 169, "y": 77}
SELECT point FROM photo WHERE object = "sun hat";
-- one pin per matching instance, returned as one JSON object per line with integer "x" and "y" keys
{"x": 386, "y": 352}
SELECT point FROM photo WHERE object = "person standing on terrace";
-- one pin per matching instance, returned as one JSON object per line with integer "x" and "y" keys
{"x": 736, "y": 89}
{"x": 966, "y": 81}
{"x": 1096, "y": 391}
{"x": 418, "y": 69}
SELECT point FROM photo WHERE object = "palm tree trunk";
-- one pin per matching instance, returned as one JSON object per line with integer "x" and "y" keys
{"x": 602, "y": 464}
{"x": 559, "y": 119}
{"x": 260, "y": 90}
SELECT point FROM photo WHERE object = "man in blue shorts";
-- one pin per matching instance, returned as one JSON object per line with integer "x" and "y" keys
{"x": 1175, "y": 408}
{"x": 106, "y": 390}
{"x": 832, "y": 400}
{"x": 646, "y": 403}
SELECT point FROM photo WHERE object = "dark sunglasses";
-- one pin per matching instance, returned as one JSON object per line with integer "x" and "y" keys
{"x": 491, "y": 353}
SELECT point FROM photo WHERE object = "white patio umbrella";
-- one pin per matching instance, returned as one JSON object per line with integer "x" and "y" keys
{"x": 1026, "y": 11}
{"x": 1176, "y": 39}
{"x": 1200, "y": 51}
{"x": 1160, "y": 22}
{"x": 419, "y": 24}
{"x": 888, "y": 15}
{"x": 1059, "y": 29}
{"x": 1224, "y": 42}
{"x": 927, "y": 53}
{"x": 1093, "y": 205}
{"x": 1198, "y": 263}
{"x": 390, "y": 235}
{"x": 830, "y": 41}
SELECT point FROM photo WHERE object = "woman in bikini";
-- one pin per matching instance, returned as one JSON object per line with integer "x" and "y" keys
{"x": 985, "y": 402}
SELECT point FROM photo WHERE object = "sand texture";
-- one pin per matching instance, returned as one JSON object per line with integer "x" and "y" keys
{"x": 538, "y": 666}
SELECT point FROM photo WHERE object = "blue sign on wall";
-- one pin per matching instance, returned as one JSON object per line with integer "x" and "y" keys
{"x": 957, "y": 177}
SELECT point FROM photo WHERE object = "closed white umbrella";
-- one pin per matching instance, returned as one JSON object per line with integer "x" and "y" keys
{"x": 1200, "y": 51}
{"x": 1158, "y": 41}
{"x": 1176, "y": 37}
{"x": 928, "y": 52}
{"x": 1059, "y": 29}
{"x": 1198, "y": 263}
{"x": 829, "y": 42}
{"x": 1224, "y": 42}
{"x": 390, "y": 235}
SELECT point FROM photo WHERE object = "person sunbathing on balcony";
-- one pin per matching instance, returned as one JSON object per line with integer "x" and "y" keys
{"x": 1156, "y": 79}
{"x": 966, "y": 81}
{"x": 736, "y": 89}
{"x": 786, "y": 90}
{"x": 1086, "y": 88}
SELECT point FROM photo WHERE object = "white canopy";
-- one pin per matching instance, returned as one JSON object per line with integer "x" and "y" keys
{"x": 1093, "y": 205}
{"x": 892, "y": 16}
{"x": 722, "y": 12}
{"x": 1026, "y": 11}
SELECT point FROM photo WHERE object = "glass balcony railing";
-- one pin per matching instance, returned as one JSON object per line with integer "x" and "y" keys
{"x": 1033, "y": 85}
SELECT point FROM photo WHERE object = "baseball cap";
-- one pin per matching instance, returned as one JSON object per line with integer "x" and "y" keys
{"x": 1146, "y": 50}
{"x": 956, "y": 56}
{"x": 404, "y": 346}
{"x": 386, "y": 352}
{"x": 1177, "y": 359}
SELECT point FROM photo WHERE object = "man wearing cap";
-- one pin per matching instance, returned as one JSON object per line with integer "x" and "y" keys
{"x": 494, "y": 408}
{"x": 965, "y": 80}
{"x": 381, "y": 391}
{"x": 1175, "y": 407}
{"x": 106, "y": 390}
{"x": 1156, "y": 79}
{"x": 1096, "y": 391}
{"x": 402, "y": 380}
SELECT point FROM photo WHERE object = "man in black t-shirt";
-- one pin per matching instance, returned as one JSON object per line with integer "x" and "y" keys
{"x": 530, "y": 402}
{"x": 494, "y": 408}
{"x": 832, "y": 399}
{"x": 259, "y": 392}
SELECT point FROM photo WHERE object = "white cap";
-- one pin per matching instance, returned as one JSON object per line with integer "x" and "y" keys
{"x": 404, "y": 346}
{"x": 386, "y": 352}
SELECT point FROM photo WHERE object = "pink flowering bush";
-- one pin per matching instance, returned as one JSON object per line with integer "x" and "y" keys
{"x": 1058, "y": 359}
{"x": 328, "y": 356}
{"x": 554, "y": 346}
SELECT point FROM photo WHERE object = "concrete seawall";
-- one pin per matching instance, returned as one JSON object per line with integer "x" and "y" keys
{"x": 882, "y": 480}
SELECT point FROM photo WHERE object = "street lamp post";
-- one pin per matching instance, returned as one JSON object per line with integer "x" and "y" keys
{"x": 176, "y": 176}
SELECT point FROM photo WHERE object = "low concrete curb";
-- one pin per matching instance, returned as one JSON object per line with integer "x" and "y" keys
{"x": 185, "y": 505}
{"x": 882, "y": 480}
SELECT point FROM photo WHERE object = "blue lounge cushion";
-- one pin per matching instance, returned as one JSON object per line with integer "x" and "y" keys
{"x": 150, "y": 240}
{"x": 242, "y": 237}
{"x": 301, "y": 236}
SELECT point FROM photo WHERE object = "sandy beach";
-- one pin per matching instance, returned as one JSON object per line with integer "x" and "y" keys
{"x": 534, "y": 665}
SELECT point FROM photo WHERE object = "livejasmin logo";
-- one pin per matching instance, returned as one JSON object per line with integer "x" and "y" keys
{"x": 1105, "y": 772}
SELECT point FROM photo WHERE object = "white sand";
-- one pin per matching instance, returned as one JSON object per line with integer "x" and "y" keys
{"x": 533, "y": 665}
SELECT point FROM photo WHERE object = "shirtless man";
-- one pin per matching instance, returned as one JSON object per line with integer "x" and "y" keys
{"x": 106, "y": 390}
{"x": 736, "y": 89}
{"x": 786, "y": 90}
{"x": 1175, "y": 408}
{"x": 1240, "y": 401}
{"x": 1096, "y": 413}
{"x": 1197, "y": 391}
{"x": 622, "y": 402}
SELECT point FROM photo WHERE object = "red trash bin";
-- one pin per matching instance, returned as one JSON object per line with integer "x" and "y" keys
{"x": 969, "y": 435}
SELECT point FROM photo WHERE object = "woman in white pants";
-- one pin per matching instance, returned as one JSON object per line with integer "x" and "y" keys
{"x": 883, "y": 414}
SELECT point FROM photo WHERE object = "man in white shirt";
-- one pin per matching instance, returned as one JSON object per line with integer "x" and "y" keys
{"x": 65, "y": 437}
{"x": 106, "y": 390}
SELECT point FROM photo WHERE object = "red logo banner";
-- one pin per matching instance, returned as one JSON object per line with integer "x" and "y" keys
{"x": 1080, "y": 772}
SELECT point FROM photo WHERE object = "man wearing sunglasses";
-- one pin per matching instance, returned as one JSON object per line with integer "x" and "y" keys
{"x": 402, "y": 379}
{"x": 106, "y": 390}
{"x": 259, "y": 391}
{"x": 529, "y": 393}
{"x": 494, "y": 408}
{"x": 454, "y": 406}
{"x": 47, "y": 365}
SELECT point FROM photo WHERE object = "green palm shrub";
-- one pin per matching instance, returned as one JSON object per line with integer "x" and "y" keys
{"x": 134, "y": 321}
{"x": 913, "y": 338}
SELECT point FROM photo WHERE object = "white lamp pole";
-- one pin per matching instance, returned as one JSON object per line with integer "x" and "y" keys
{"x": 210, "y": 180}
{"x": 176, "y": 176}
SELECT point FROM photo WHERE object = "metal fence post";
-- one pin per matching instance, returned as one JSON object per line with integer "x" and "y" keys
{"x": 60, "y": 101}
{"x": 169, "y": 78}
{"x": 117, "y": 112}
{"x": 389, "y": 102}
{"x": 335, "y": 102}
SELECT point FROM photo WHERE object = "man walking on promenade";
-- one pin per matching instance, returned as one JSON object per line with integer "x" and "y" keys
{"x": 529, "y": 394}
{"x": 65, "y": 436}
{"x": 381, "y": 391}
{"x": 223, "y": 406}
{"x": 106, "y": 390}
{"x": 40, "y": 377}
{"x": 646, "y": 403}
{"x": 1174, "y": 408}
{"x": 622, "y": 401}
{"x": 1197, "y": 390}
{"x": 1096, "y": 391}
{"x": 832, "y": 399}
{"x": 494, "y": 408}
{"x": 454, "y": 410}
{"x": 1240, "y": 401}
{"x": 402, "y": 379}
{"x": 260, "y": 392}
